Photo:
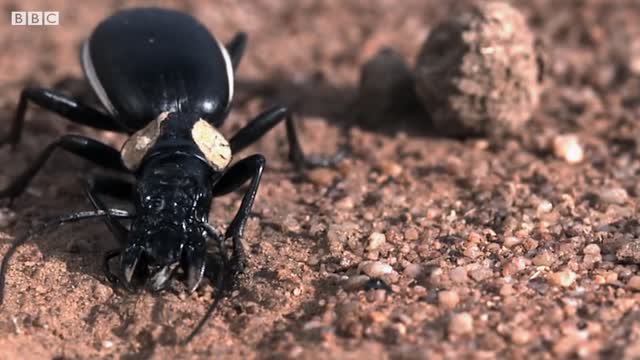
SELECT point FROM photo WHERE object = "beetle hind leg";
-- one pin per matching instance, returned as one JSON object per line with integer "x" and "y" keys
{"x": 236, "y": 47}
{"x": 60, "y": 104}
{"x": 265, "y": 122}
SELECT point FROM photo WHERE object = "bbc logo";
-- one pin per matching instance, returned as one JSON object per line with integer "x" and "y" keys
{"x": 35, "y": 18}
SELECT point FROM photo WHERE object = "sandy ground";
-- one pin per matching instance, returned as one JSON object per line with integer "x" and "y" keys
{"x": 490, "y": 251}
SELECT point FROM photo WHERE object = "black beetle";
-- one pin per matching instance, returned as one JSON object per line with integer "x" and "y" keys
{"x": 165, "y": 80}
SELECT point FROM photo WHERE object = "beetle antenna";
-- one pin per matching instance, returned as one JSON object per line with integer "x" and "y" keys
{"x": 50, "y": 225}
{"x": 223, "y": 283}
{"x": 217, "y": 296}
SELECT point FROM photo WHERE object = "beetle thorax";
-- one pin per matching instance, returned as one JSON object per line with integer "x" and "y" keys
{"x": 177, "y": 132}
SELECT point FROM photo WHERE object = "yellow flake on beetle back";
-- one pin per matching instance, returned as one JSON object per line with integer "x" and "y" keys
{"x": 135, "y": 148}
{"x": 213, "y": 145}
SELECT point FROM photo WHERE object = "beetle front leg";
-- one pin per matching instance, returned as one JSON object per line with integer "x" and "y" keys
{"x": 245, "y": 169}
{"x": 63, "y": 106}
{"x": 265, "y": 122}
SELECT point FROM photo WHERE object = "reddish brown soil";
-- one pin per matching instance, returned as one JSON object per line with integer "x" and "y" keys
{"x": 477, "y": 256}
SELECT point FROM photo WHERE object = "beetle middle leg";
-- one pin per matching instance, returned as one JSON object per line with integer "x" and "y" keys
{"x": 84, "y": 147}
{"x": 245, "y": 169}
{"x": 63, "y": 106}
{"x": 265, "y": 122}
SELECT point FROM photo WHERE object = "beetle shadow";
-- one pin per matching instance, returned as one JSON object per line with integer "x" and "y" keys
{"x": 341, "y": 106}
{"x": 314, "y": 96}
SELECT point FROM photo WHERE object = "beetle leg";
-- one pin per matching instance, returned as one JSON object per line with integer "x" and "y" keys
{"x": 245, "y": 169}
{"x": 118, "y": 188}
{"x": 114, "y": 187}
{"x": 84, "y": 147}
{"x": 236, "y": 47}
{"x": 63, "y": 106}
{"x": 265, "y": 122}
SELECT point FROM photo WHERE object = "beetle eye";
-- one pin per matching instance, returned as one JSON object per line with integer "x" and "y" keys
{"x": 155, "y": 203}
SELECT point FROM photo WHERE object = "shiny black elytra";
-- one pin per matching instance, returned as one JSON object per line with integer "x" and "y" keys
{"x": 165, "y": 80}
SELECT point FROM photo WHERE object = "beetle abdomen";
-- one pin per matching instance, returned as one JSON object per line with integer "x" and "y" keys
{"x": 142, "y": 62}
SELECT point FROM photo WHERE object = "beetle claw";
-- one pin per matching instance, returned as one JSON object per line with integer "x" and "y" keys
{"x": 128, "y": 263}
{"x": 160, "y": 279}
{"x": 195, "y": 259}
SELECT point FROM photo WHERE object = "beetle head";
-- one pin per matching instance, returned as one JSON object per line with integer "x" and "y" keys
{"x": 172, "y": 205}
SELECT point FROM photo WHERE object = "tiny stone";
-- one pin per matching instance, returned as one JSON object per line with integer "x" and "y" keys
{"x": 390, "y": 168}
{"x": 591, "y": 249}
{"x": 543, "y": 258}
{"x": 506, "y": 290}
{"x": 321, "y": 176}
{"x": 461, "y": 323}
{"x": 102, "y": 292}
{"x": 7, "y": 217}
{"x": 634, "y": 283}
{"x": 376, "y": 268}
{"x": 376, "y": 240}
{"x": 458, "y": 274}
{"x": 378, "y": 316}
{"x": 520, "y": 336}
{"x": 544, "y": 207}
{"x": 629, "y": 252}
{"x": 511, "y": 241}
{"x": 563, "y": 278}
{"x": 568, "y": 148}
{"x": 291, "y": 224}
{"x": 107, "y": 344}
{"x": 345, "y": 203}
{"x": 472, "y": 251}
{"x": 448, "y": 299}
{"x": 297, "y": 292}
{"x": 481, "y": 273}
{"x": 413, "y": 271}
{"x": 614, "y": 195}
{"x": 411, "y": 234}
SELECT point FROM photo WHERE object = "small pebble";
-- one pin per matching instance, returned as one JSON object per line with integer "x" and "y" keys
{"x": 102, "y": 292}
{"x": 460, "y": 324}
{"x": 563, "y": 278}
{"x": 544, "y": 258}
{"x": 634, "y": 283}
{"x": 413, "y": 271}
{"x": 411, "y": 234}
{"x": 591, "y": 249}
{"x": 568, "y": 148}
{"x": 107, "y": 344}
{"x": 511, "y": 241}
{"x": 458, "y": 274}
{"x": 481, "y": 273}
{"x": 376, "y": 240}
{"x": 544, "y": 207}
{"x": 322, "y": 176}
{"x": 390, "y": 168}
{"x": 615, "y": 195}
{"x": 448, "y": 299}
{"x": 376, "y": 268}
{"x": 520, "y": 336}
{"x": 7, "y": 217}
{"x": 507, "y": 290}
